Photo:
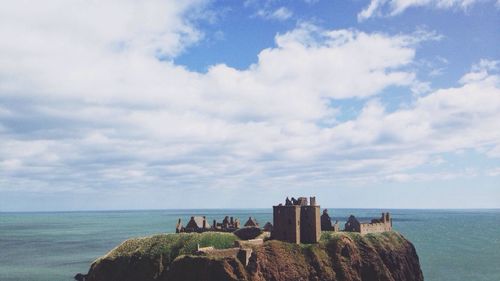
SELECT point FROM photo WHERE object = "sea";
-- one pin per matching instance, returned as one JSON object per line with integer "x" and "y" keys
{"x": 453, "y": 245}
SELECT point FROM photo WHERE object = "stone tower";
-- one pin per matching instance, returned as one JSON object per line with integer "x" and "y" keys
{"x": 310, "y": 223}
{"x": 297, "y": 221}
{"x": 286, "y": 223}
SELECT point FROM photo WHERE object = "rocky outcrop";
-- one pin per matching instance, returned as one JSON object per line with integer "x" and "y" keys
{"x": 384, "y": 256}
{"x": 346, "y": 257}
{"x": 248, "y": 233}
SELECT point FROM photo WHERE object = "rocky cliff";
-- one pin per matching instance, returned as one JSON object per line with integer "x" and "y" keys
{"x": 339, "y": 256}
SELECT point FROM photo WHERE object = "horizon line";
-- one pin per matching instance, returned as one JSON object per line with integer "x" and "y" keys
{"x": 261, "y": 208}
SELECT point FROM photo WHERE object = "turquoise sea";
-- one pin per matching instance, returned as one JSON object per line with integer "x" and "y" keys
{"x": 453, "y": 245}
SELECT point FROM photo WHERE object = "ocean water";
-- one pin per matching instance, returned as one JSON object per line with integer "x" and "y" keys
{"x": 453, "y": 245}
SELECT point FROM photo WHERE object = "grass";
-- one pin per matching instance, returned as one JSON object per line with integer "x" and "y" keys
{"x": 171, "y": 245}
{"x": 327, "y": 236}
{"x": 388, "y": 239}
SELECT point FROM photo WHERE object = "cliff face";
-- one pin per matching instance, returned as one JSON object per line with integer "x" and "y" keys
{"x": 338, "y": 257}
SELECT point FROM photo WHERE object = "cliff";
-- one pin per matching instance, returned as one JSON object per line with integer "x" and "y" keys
{"x": 338, "y": 257}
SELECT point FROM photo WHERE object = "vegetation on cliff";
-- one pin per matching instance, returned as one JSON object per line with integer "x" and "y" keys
{"x": 170, "y": 245}
{"x": 338, "y": 257}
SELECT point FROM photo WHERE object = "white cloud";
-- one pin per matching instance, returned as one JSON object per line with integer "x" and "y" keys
{"x": 10, "y": 164}
{"x": 480, "y": 71}
{"x": 90, "y": 106}
{"x": 378, "y": 8}
{"x": 268, "y": 10}
{"x": 156, "y": 27}
{"x": 281, "y": 13}
{"x": 446, "y": 120}
{"x": 494, "y": 152}
{"x": 493, "y": 172}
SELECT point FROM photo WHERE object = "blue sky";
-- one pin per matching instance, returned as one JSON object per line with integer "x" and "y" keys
{"x": 226, "y": 104}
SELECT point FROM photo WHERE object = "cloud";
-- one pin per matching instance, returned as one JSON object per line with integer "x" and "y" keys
{"x": 378, "y": 8}
{"x": 480, "y": 71}
{"x": 494, "y": 152}
{"x": 266, "y": 9}
{"x": 157, "y": 27}
{"x": 281, "y": 13}
{"x": 91, "y": 107}
{"x": 445, "y": 120}
{"x": 493, "y": 172}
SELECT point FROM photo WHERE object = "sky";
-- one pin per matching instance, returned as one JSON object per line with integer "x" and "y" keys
{"x": 162, "y": 104}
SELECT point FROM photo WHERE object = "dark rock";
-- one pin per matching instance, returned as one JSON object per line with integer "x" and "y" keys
{"x": 80, "y": 277}
{"x": 247, "y": 233}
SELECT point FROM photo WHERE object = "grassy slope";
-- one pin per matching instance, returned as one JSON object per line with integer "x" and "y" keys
{"x": 171, "y": 245}
{"x": 390, "y": 239}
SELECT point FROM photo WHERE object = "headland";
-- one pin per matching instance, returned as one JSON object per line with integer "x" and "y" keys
{"x": 299, "y": 245}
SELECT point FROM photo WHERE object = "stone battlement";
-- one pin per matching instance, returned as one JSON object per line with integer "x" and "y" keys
{"x": 376, "y": 225}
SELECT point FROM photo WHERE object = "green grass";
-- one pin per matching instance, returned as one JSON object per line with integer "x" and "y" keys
{"x": 388, "y": 240}
{"x": 327, "y": 236}
{"x": 171, "y": 245}
{"x": 392, "y": 239}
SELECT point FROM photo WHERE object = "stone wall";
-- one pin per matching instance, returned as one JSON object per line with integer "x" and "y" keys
{"x": 297, "y": 221}
{"x": 286, "y": 223}
{"x": 375, "y": 227}
{"x": 310, "y": 230}
{"x": 248, "y": 243}
{"x": 242, "y": 254}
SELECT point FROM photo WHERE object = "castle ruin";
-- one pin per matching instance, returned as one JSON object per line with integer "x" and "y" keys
{"x": 326, "y": 222}
{"x": 229, "y": 224}
{"x": 200, "y": 224}
{"x": 195, "y": 224}
{"x": 376, "y": 225}
{"x": 251, "y": 222}
{"x": 297, "y": 221}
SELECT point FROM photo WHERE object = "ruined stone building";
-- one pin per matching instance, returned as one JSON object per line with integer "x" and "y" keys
{"x": 251, "y": 222}
{"x": 376, "y": 225}
{"x": 195, "y": 224}
{"x": 297, "y": 221}
{"x": 326, "y": 222}
{"x": 200, "y": 224}
{"x": 229, "y": 224}
{"x": 268, "y": 227}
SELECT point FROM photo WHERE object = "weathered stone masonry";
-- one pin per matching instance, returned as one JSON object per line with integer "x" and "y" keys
{"x": 376, "y": 225}
{"x": 297, "y": 221}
